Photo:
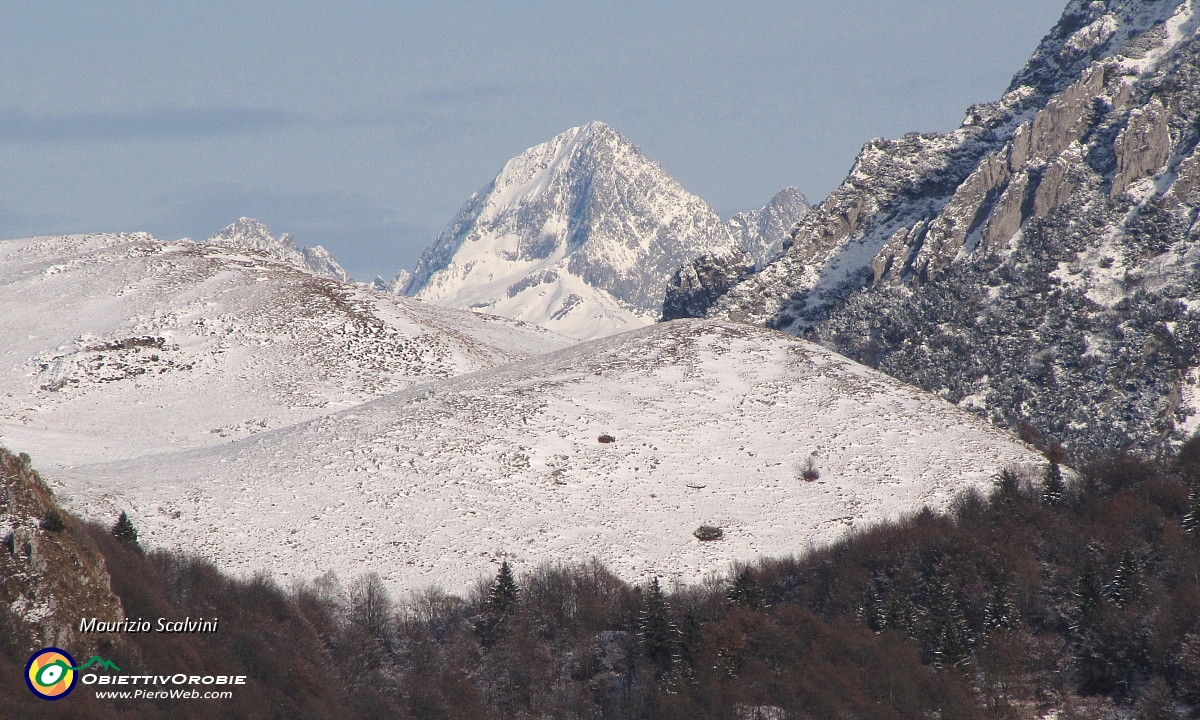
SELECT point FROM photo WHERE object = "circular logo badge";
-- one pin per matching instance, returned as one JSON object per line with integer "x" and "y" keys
{"x": 49, "y": 675}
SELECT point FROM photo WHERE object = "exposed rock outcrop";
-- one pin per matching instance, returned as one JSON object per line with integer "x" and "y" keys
{"x": 250, "y": 234}
{"x": 51, "y": 575}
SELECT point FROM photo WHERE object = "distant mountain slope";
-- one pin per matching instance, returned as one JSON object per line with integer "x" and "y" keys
{"x": 117, "y": 345}
{"x": 578, "y": 234}
{"x": 706, "y": 423}
{"x": 1039, "y": 264}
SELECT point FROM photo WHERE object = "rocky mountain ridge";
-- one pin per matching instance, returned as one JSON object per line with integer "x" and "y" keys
{"x": 1036, "y": 265}
{"x": 761, "y": 233}
{"x": 51, "y": 573}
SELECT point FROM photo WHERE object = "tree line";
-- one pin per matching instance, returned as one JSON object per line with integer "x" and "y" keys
{"x": 1074, "y": 591}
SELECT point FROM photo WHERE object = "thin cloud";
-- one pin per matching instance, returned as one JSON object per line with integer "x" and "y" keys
{"x": 18, "y": 126}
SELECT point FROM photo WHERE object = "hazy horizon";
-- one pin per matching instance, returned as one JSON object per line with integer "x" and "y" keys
{"x": 364, "y": 127}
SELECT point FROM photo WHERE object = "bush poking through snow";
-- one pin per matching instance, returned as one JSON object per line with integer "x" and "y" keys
{"x": 707, "y": 533}
{"x": 807, "y": 470}
{"x": 52, "y": 522}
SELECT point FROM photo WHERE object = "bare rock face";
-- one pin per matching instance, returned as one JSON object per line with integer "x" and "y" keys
{"x": 51, "y": 576}
{"x": 1061, "y": 218}
{"x": 697, "y": 283}
{"x": 1142, "y": 147}
{"x": 1054, "y": 187}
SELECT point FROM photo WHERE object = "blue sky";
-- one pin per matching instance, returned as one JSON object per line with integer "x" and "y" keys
{"x": 365, "y": 126}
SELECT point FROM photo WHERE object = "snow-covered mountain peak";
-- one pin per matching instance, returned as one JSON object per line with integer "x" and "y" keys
{"x": 526, "y": 177}
{"x": 578, "y": 234}
{"x": 762, "y": 233}
{"x": 250, "y": 234}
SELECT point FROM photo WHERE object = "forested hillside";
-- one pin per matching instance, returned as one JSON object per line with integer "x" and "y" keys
{"x": 1076, "y": 593}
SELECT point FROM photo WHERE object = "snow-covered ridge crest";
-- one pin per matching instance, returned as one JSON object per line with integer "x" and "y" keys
{"x": 579, "y": 234}
{"x": 618, "y": 448}
{"x": 250, "y": 234}
{"x": 117, "y": 345}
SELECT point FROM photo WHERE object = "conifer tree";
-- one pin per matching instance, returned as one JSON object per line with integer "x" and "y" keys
{"x": 746, "y": 591}
{"x": 500, "y": 604}
{"x": 1127, "y": 584}
{"x": 1191, "y": 520}
{"x": 1001, "y": 612}
{"x": 503, "y": 598}
{"x": 52, "y": 522}
{"x": 954, "y": 643}
{"x": 657, "y": 634}
{"x": 1007, "y": 488}
{"x": 690, "y": 649}
{"x": 1089, "y": 597}
{"x": 124, "y": 531}
{"x": 1054, "y": 490}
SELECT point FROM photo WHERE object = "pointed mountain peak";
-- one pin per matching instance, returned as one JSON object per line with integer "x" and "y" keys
{"x": 788, "y": 196}
{"x": 579, "y": 234}
{"x": 762, "y": 233}
{"x": 598, "y": 132}
{"x": 250, "y": 234}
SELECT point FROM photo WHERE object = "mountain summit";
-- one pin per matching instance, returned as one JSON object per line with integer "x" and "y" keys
{"x": 579, "y": 234}
{"x": 250, "y": 234}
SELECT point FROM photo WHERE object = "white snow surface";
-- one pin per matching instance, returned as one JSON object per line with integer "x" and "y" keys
{"x": 579, "y": 234}
{"x": 1182, "y": 23}
{"x": 710, "y": 422}
{"x": 113, "y": 346}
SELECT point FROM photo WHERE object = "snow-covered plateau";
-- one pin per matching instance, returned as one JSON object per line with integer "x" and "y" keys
{"x": 617, "y": 449}
{"x": 117, "y": 345}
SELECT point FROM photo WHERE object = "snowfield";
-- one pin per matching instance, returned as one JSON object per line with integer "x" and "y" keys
{"x": 118, "y": 345}
{"x": 710, "y": 423}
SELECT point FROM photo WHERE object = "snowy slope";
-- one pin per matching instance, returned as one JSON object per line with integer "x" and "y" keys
{"x": 711, "y": 421}
{"x": 579, "y": 234}
{"x": 113, "y": 346}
